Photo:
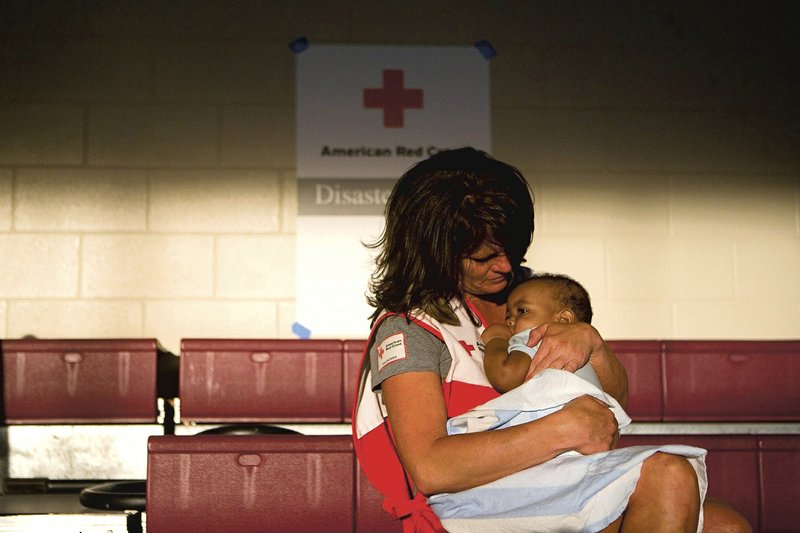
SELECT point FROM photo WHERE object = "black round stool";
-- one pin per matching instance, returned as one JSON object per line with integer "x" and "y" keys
{"x": 126, "y": 495}
{"x": 249, "y": 429}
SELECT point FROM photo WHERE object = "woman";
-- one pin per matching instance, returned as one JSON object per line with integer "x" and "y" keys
{"x": 457, "y": 228}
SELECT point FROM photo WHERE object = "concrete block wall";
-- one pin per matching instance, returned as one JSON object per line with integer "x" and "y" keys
{"x": 147, "y": 184}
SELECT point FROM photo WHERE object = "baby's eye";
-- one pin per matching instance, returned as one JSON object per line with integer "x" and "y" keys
{"x": 521, "y": 311}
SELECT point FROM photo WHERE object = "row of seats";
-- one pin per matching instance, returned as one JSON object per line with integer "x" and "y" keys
{"x": 218, "y": 479}
{"x": 750, "y": 382}
{"x": 312, "y": 381}
{"x": 227, "y": 484}
{"x": 216, "y": 380}
{"x": 81, "y": 381}
{"x": 204, "y": 482}
{"x": 757, "y": 474}
{"x": 317, "y": 478}
{"x": 718, "y": 381}
{"x": 670, "y": 381}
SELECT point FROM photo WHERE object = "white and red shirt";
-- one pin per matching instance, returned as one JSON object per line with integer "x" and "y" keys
{"x": 464, "y": 386}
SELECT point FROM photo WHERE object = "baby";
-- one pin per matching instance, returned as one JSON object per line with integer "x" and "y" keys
{"x": 535, "y": 498}
{"x": 534, "y": 301}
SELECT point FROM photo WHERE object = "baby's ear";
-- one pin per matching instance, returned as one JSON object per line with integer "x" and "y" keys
{"x": 566, "y": 316}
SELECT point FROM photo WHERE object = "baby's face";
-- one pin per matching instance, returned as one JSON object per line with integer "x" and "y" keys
{"x": 530, "y": 305}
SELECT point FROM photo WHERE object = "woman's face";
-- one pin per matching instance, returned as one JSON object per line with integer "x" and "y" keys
{"x": 486, "y": 271}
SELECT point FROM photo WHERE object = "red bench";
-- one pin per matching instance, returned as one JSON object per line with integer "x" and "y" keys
{"x": 266, "y": 380}
{"x": 65, "y": 398}
{"x": 236, "y": 484}
{"x": 78, "y": 412}
{"x": 739, "y": 381}
{"x": 712, "y": 381}
{"x": 275, "y": 381}
{"x": 671, "y": 382}
{"x": 79, "y": 381}
{"x": 779, "y": 467}
{"x": 748, "y": 384}
{"x": 748, "y": 389}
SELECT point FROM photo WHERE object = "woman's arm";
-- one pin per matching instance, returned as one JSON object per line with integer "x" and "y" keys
{"x": 570, "y": 346}
{"x": 441, "y": 463}
{"x": 611, "y": 373}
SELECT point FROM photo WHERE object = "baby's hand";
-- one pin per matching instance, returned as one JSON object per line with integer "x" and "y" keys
{"x": 496, "y": 331}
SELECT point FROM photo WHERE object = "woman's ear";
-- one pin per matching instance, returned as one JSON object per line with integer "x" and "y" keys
{"x": 566, "y": 316}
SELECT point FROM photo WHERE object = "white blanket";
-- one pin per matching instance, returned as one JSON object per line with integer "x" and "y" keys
{"x": 571, "y": 492}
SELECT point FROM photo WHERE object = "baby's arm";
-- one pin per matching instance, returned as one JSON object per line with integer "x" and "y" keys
{"x": 504, "y": 370}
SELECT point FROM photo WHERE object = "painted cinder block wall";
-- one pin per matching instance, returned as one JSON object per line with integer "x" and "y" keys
{"x": 147, "y": 173}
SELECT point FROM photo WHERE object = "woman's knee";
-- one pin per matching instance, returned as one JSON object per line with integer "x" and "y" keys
{"x": 666, "y": 497}
{"x": 677, "y": 471}
{"x": 722, "y": 517}
{"x": 671, "y": 480}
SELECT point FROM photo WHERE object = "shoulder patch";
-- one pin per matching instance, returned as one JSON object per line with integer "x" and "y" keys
{"x": 392, "y": 349}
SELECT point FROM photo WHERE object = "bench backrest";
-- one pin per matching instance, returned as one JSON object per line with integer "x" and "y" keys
{"x": 269, "y": 380}
{"x": 251, "y": 483}
{"x": 79, "y": 381}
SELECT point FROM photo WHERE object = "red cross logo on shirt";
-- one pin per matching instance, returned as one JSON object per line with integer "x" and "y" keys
{"x": 468, "y": 347}
{"x": 393, "y": 98}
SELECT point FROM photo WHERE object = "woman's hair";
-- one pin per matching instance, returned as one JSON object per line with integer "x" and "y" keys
{"x": 439, "y": 212}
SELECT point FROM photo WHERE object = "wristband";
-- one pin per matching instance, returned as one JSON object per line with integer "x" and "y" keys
{"x": 519, "y": 343}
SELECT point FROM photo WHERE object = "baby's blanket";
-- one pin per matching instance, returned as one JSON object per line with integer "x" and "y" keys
{"x": 571, "y": 492}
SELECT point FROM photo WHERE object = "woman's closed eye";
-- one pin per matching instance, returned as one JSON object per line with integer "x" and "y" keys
{"x": 486, "y": 259}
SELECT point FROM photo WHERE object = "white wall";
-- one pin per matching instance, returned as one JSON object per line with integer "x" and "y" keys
{"x": 147, "y": 181}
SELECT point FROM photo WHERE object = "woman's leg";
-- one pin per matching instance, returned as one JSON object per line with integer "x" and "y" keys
{"x": 721, "y": 517}
{"x": 655, "y": 507}
{"x": 666, "y": 497}
{"x": 718, "y": 517}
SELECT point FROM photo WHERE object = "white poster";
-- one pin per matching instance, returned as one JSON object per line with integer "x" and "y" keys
{"x": 365, "y": 114}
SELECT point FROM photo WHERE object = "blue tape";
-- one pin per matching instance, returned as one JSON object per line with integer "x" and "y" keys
{"x": 486, "y": 49}
{"x": 301, "y": 331}
{"x": 299, "y": 45}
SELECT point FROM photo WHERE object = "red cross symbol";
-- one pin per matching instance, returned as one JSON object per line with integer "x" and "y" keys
{"x": 468, "y": 347}
{"x": 393, "y": 99}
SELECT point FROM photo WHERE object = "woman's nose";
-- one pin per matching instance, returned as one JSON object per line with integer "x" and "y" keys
{"x": 502, "y": 264}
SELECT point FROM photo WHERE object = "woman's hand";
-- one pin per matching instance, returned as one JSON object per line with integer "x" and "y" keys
{"x": 595, "y": 427}
{"x": 569, "y": 346}
{"x": 565, "y": 346}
